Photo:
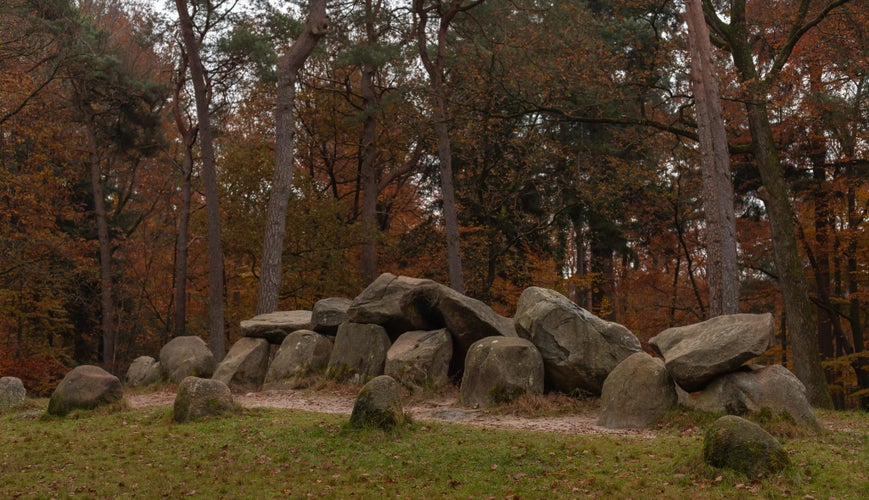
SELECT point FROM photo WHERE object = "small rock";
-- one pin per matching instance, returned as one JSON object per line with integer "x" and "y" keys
{"x": 735, "y": 443}
{"x": 378, "y": 405}
{"x": 12, "y": 393}
{"x": 201, "y": 397}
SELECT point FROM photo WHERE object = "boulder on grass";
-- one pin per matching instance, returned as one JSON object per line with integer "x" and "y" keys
{"x": 696, "y": 354}
{"x": 143, "y": 371}
{"x": 201, "y": 397}
{"x": 302, "y": 353}
{"x": 328, "y": 314}
{"x": 245, "y": 365}
{"x": 430, "y": 306}
{"x": 735, "y": 443}
{"x": 637, "y": 393}
{"x": 378, "y": 405}
{"x": 85, "y": 387}
{"x": 359, "y": 353}
{"x": 499, "y": 369}
{"x": 276, "y": 325}
{"x": 186, "y": 356}
{"x": 380, "y": 303}
{"x": 420, "y": 360}
{"x": 12, "y": 393}
{"x": 579, "y": 349}
{"x": 755, "y": 389}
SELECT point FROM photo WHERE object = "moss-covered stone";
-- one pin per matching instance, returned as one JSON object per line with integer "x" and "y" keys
{"x": 735, "y": 443}
{"x": 378, "y": 405}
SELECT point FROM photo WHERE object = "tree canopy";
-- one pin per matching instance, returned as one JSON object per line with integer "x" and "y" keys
{"x": 491, "y": 145}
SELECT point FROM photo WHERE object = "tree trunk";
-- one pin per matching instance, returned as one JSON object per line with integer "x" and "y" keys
{"x": 774, "y": 193}
{"x": 216, "y": 335}
{"x": 368, "y": 173}
{"x": 182, "y": 243}
{"x": 435, "y": 69}
{"x": 289, "y": 65}
{"x": 788, "y": 263}
{"x": 107, "y": 303}
{"x": 721, "y": 267}
{"x": 188, "y": 134}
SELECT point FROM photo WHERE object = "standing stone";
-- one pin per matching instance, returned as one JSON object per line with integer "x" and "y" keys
{"x": 276, "y": 325}
{"x": 85, "y": 387}
{"x": 245, "y": 365}
{"x": 359, "y": 353}
{"x": 378, "y": 405}
{"x": 430, "y": 306}
{"x": 328, "y": 314}
{"x": 420, "y": 360}
{"x": 579, "y": 349}
{"x": 201, "y": 397}
{"x": 736, "y": 443}
{"x": 143, "y": 371}
{"x": 637, "y": 393}
{"x": 696, "y": 354}
{"x": 499, "y": 369}
{"x": 186, "y": 356}
{"x": 754, "y": 389}
{"x": 12, "y": 393}
{"x": 380, "y": 303}
{"x": 302, "y": 353}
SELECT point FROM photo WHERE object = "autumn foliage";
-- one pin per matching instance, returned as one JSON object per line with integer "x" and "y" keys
{"x": 573, "y": 146}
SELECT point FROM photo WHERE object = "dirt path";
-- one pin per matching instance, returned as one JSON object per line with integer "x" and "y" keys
{"x": 447, "y": 410}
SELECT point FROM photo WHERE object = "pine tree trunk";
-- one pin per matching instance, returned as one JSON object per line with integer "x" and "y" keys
{"x": 721, "y": 268}
{"x": 107, "y": 303}
{"x": 289, "y": 65}
{"x": 216, "y": 334}
{"x": 368, "y": 173}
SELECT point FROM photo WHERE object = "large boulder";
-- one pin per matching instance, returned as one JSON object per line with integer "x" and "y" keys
{"x": 302, "y": 353}
{"x": 143, "y": 371}
{"x": 85, "y": 387}
{"x": 12, "y": 393}
{"x": 499, "y": 369}
{"x": 378, "y": 405}
{"x": 328, "y": 314}
{"x": 420, "y": 360}
{"x": 736, "y": 443}
{"x": 359, "y": 353}
{"x": 380, "y": 303}
{"x": 696, "y": 354}
{"x": 637, "y": 393}
{"x": 245, "y": 365}
{"x": 186, "y": 356}
{"x": 579, "y": 349}
{"x": 431, "y": 306}
{"x": 755, "y": 389}
{"x": 276, "y": 325}
{"x": 202, "y": 397}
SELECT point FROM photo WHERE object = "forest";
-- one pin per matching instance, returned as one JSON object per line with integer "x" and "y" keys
{"x": 172, "y": 167}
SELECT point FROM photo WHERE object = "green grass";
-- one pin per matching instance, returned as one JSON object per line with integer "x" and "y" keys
{"x": 269, "y": 453}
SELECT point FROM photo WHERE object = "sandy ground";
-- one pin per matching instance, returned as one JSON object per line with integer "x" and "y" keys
{"x": 445, "y": 410}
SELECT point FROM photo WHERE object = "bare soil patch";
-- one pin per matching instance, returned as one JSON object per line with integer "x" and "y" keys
{"x": 444, "y": 408}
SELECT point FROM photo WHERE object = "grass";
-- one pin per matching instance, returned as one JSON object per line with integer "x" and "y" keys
{"x": 275, "y": 453}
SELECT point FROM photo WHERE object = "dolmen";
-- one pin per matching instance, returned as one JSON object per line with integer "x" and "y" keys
{"x": 424, "y": 335}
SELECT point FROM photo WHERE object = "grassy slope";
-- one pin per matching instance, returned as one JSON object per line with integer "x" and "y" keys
{"x": 264, "y": 453}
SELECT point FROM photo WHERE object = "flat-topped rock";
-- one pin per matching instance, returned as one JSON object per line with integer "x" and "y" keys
{"x": 275, "y": 326}
{"x": 696, "y": 354}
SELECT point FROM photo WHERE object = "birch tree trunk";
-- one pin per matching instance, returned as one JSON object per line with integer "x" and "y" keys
{"x": 722, "y": 268}
{"x": 289, "y": 65}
